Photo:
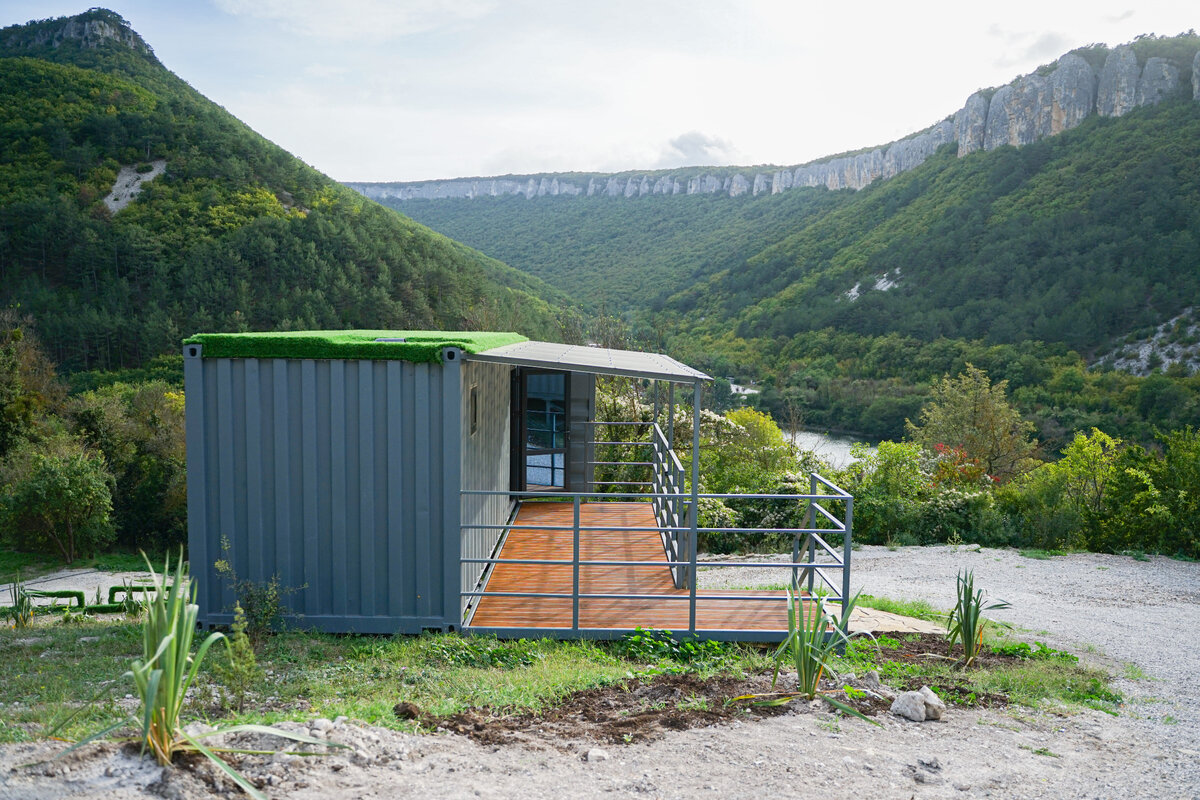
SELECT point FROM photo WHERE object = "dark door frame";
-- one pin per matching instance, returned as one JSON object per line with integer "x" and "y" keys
{"x": 518, "y": 449}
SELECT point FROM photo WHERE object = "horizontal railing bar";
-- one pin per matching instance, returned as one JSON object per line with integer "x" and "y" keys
{"x": 642, "y": 444}
{"x": 607, "y": 596}
{"x": 558, "y": 562}
{"x": 718, "y": 634}
{"x": 643, "y": 528}
{"x": 619, "y": 422}
{"x": 620, "y": 464}
{"x": 645, "y": 495}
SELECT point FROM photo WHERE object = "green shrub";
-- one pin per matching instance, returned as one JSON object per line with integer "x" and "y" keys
{"x": 260, "y": 602}
{"x": 56, "y": 498}
{"x": 139, "y": 429}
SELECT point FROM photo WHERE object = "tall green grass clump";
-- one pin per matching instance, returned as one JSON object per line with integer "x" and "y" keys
{"x": 966, "y": 621}
{"x": 812, "y": 642}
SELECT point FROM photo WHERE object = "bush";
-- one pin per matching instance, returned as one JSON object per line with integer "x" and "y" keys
{"x": 56, "y": 499}
{"x": 140, "y": 430}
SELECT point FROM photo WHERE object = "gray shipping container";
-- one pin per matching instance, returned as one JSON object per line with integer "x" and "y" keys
{"x": 342, "y": 478}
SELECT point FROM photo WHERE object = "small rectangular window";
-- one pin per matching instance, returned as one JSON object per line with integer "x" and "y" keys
{"x": 474, "y": 409}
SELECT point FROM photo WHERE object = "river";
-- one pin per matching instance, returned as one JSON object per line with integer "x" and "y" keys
{"x": 834, "y": 449}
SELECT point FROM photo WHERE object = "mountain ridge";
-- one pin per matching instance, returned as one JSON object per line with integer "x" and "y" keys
{"x": 1054, "y": 98}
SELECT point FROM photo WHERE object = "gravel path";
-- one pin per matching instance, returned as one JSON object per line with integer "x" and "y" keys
{"x": 1111, "y": 609}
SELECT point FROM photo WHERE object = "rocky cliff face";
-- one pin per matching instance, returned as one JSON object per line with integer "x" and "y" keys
{"x": 90, "y": 29}
{"x": 1030, "y": 108}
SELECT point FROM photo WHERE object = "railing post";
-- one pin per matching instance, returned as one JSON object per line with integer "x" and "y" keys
{"x": 811, "y": 522}
{"x": 695, "y": 512}
{"x": 575, "y": 570}
{"x": 671, "y": 415}
{"x": 656, "y": 402}
{"x": 846, "y": 562}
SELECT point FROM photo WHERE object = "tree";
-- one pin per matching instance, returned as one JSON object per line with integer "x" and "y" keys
{"x": 56, "y": 498}
{"x": 743, "y": 451}
{"x": 971, "y": 413}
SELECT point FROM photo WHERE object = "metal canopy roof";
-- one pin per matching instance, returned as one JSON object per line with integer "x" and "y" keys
{"x": 599, "y": 360}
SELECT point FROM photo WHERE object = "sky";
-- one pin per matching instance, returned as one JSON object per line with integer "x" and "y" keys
{"x": 407, "y": 90}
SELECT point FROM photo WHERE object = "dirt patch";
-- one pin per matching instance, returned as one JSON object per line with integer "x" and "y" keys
{"x": 628, "y": 713}
{"x": 645, "y": 709}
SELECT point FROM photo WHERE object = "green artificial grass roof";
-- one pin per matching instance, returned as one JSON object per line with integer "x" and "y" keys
{"x": 418, "y": 346}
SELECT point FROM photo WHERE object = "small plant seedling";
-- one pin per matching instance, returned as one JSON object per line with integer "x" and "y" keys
{"x": 20, "y": 613}
{"x": 1133, "y": 672}
{"x": 1040, "y": 751}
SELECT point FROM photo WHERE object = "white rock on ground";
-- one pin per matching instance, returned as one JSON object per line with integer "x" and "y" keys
{"x": 910, "y": 705}
{"x": 934, "y": 707}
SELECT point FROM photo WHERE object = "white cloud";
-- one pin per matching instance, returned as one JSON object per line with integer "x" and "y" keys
{"x": 696, "y": 148}
{"x": 371, "y": 20}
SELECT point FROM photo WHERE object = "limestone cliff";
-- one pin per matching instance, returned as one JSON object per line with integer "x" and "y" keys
{"x": 91, "y": 29}
{"x": 1044, "y": 103}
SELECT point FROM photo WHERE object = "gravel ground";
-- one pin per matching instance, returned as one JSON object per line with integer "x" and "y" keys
{"x": 87, "y": 580}
{"x": 1112, "y": 610}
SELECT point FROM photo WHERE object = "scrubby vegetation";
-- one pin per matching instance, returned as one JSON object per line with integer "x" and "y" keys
{"x": 1099, "y": 493}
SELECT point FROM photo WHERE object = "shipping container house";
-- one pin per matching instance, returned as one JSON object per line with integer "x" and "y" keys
{"x": 380, "y": 477}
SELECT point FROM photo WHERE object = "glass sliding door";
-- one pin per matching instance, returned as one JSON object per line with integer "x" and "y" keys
{"x": 543, "y": 430}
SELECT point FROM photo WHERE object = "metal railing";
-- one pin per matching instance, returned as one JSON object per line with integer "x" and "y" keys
{"x": 816, "y": 565}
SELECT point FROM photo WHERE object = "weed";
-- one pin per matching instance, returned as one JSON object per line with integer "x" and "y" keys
{"x": 853, "y": 693}
{"x": 647, "y": 645}
{"x": 1133, "y": 672}
{"x": 1023, "y": 650}
{"x": 1136, "y": 555}
{"x": 1040, "y": 751}
{"x": 262, "y": 603}
{"x": 966, "y": 620}
{"x": 832, "y": 726}
{"x": 1169, "y": 720}
{"x": 693, "y": 702}
{"x": 241, "y": 671}
{"x": 482, "y": 652}
{"x": 1042, "y": 555}
{"x": 918, "y": 609}
{"x": 20, "y": 613}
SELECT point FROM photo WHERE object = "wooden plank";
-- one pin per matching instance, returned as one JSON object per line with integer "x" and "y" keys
{"x": 760, "y": 610}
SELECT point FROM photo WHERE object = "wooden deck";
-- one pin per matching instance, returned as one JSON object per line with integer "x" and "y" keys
{"x": 667, "y": 611}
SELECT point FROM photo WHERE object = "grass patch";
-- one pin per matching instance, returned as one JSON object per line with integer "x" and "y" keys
{"x": 1042, "y": 555}
{"x": 1133, "y": 672}
{"x": 918, "y": 609}
{"x": 1040, "y": 751}
{"x": 52, "y": 670}
{"x": 1005, "y": 672}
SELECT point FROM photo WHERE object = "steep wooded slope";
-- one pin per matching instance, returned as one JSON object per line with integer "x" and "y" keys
{"x": 236, "y": 234}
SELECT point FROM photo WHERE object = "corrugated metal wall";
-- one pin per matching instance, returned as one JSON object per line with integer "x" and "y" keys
{"x": 485, "y": 462}
{"x": 341, "y": 477}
